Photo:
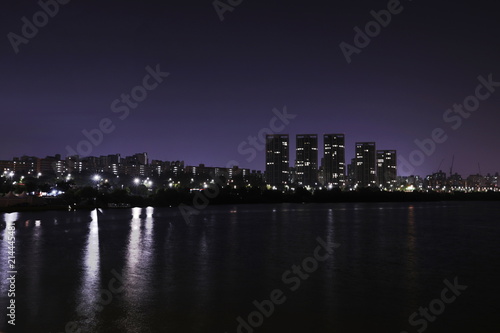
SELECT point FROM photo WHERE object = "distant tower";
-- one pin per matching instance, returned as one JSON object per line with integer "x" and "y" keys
{"x": 307, "y": 159}
{"x": 365, "y": 164}
{"x": 277, "y": 160}
{"x": 334, "y": 159}
{"x": 386, "y": 169}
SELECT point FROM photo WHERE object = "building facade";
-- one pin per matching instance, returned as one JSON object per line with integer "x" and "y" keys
{"x": 365, "y": 168}
{"x": 387, "y": 169}
{"x": 334, "y": 160}
{"x": 307, "y": 160}
{"x": 277, "y": 160}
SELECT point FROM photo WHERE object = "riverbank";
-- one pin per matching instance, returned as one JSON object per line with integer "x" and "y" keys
{"x": 264, "y": 197}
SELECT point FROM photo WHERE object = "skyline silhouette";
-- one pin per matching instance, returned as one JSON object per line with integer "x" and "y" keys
{"x": 226, "y": 77}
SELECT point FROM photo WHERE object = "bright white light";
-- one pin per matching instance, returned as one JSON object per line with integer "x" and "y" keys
{"x": 137, "y": 181}
{"x": 97, "y": 178}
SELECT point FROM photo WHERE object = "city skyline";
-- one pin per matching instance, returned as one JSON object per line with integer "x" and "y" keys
{"x": 222, "y": 80}
{"x": 249, "y": 166}
{"x": 372, "y": 168}
{"x": 331, "y": 157}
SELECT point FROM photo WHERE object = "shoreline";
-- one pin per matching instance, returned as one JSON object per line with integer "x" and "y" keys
{"x": 342, "y": 197}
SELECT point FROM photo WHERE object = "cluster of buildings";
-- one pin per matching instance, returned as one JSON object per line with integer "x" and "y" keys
{"x": 442, "y": 182}
{"x": 136, "y": 166}
{"x": 369, "y": 168}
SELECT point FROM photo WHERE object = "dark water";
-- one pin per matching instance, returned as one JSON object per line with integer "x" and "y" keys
{"x": 146, "y": 270}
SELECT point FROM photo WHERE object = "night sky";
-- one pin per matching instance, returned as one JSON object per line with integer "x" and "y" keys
{"x": 227, "y": 76}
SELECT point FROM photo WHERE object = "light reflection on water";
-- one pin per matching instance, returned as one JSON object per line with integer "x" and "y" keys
{"x": 35, "y": 262}
{"x": 137, "y": 272}
{"x": 412, "y": 258}
{"x": 202, "y": 276}
{"x": 89, "y": 297}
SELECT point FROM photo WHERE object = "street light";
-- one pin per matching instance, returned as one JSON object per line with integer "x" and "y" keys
{"x": 97, "y": 178}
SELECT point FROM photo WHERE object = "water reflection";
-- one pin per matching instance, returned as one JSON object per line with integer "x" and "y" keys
{"x": 203, "y": 278}
{"x": 35, "y": 261}
{"x": 88, "y": 299}
{"x": 329, "y": 291}
{"x": 180, "y": 278}
{"x": 138, "y": 263}
{"x": 134, "y": 246}
{"x": 412, "y": 255}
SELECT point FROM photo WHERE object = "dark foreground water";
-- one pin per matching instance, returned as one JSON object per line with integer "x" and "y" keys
{"x": 146, "y": 270}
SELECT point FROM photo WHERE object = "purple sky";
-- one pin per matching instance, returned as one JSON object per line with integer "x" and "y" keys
{"x": 226, "y": 78}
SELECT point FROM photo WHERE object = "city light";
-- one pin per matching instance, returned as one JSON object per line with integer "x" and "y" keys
{"x": 378, "y": 166}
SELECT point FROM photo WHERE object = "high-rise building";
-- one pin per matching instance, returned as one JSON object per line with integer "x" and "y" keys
{"x": 74, "y": 165}
{"x": 365, "y": 164}
{"x": 351, "y": 173}
{"x": 51, "y": 165}
{"x": 307, "y": 159}
{"x": 114, "y": 162}
{"x": 142, "y": 158}
{"x": 386, "y": 169}
{"x": 27, "y": 165}
{"x": 334, "y": 160}
{"x": 436, "y": 181}
{"x": 277, "y": 161}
